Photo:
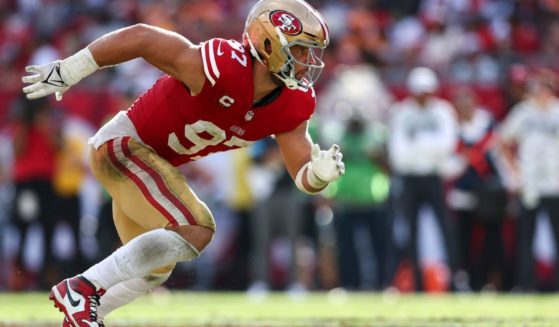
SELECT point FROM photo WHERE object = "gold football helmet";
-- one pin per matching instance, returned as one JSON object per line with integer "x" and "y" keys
{"x": 274, "y": 26}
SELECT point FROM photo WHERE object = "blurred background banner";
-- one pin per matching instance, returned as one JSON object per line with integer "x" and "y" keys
{"x": 445, "y": 111}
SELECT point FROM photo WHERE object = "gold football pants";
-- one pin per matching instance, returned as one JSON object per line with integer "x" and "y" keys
{"x": 147, "y": 191}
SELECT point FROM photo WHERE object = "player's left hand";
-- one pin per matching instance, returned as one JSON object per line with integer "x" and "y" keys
{"x": 46, "y": 79}
{"x": 327, "y": 165}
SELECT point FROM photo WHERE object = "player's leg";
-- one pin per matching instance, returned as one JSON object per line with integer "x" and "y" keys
{"x": 525, "y": 230}
{"x": 291, "y": 203}
{"x": 127, "y": 291}
{"x": 410, "y": 203}
{"x": 261, "y": 238}
{"x": 435, "y": 196}
{"x": 552, "y": 204}
{"x": 156, "y": 196}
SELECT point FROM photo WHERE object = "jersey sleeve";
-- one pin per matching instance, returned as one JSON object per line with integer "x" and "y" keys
{"x": 299, "y": 109}
{"x": 223, "y": 60}
{"x": 308, "y": 104}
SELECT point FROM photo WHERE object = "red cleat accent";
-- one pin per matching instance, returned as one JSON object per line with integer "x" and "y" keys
{"x": 78, "y": 299}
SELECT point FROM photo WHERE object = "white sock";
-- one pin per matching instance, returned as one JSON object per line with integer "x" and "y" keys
{"x": 127, "y": 291}
{"x": 145, "y": 253}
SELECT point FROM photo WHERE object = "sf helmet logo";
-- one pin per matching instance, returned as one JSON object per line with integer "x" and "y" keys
{"x": 286, "y": 21}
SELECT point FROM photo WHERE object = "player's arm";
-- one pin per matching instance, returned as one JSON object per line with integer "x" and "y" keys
{"x": 311, "y": 168}
{"x": 166, "y": 50}
{"x": 507, "y": 136}
{"x": 169, "y": 51}
{"x": 508, "y": 153}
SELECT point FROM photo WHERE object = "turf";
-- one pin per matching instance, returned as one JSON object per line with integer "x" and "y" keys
{"x": 334, "y": 309}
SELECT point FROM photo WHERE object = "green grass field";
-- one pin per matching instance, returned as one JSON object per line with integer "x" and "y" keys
{"x": 194, "y": 309}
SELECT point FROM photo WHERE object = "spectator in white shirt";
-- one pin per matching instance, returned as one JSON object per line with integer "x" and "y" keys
{"x": 423, "y": 136}
{"x": 532, "y": 128}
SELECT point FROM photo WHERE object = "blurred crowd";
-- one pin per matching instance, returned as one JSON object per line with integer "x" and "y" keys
{"x": 445, "y": 110}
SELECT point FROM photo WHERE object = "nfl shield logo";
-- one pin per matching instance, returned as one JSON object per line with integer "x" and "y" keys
{"x": 249, "y": 115}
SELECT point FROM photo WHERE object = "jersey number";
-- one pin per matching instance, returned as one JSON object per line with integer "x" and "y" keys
{"x": 193, "y": 131}
{"x": 240, "y": 57}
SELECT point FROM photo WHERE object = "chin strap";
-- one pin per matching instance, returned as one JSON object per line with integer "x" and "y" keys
{"x": 252, "y": 49}
{"x": 288, "y": 80}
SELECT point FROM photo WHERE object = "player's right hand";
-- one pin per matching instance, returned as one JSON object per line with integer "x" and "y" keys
{"x": 45, "y": 80}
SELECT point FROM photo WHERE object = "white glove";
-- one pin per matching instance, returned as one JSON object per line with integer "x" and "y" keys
{"x": 47, "y": 80}
{"x": 57, "y": 77}
{"x": 327, "y": 166}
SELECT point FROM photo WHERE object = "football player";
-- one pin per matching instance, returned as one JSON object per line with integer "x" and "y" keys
{"x": 215, "y": 96}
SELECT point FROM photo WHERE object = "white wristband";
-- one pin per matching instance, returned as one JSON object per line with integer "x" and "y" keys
{"x": 312, "y": 180}
{"x": 76, "y": 67}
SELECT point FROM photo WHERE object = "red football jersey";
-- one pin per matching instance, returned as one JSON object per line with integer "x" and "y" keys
{"x": 181, "y": 127}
